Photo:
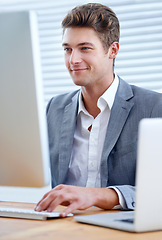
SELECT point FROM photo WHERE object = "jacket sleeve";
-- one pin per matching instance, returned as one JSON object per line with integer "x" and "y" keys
{"x": 128, "y": 193}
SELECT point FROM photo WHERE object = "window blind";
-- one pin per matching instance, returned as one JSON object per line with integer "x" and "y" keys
{"x": 139, "y": 60}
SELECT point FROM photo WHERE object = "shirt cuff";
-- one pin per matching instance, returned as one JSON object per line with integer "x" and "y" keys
{"x": 122, "y": 203}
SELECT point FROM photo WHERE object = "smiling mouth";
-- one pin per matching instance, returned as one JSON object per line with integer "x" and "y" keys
{"x": 78, "y": 69}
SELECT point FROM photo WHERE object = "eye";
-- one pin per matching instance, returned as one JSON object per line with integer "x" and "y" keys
{"x": 67, "y": 49}
{"x": 85, "y": 48}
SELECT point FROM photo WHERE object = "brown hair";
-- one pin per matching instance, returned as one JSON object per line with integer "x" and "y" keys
{"x": 97, "y": 16}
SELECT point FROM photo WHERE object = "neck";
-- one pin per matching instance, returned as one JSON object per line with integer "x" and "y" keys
{"x": 91, "y": 95}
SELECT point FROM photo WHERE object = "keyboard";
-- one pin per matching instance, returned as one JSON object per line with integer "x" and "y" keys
{"x": 28, "y": 214}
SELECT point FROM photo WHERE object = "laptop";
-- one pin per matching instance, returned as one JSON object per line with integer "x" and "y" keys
{"x": 148, "y": 211}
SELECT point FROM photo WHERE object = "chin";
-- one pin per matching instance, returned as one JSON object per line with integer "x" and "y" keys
{"x": 78, "y": 83}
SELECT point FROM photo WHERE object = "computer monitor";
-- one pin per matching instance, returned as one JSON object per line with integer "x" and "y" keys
{"x": 24, "y": 153}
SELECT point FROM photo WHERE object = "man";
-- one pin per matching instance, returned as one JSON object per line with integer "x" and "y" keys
{"x": 93, "y": 131}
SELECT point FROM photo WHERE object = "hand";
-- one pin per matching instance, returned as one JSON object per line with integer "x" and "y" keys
{"x": 77, "y": 198}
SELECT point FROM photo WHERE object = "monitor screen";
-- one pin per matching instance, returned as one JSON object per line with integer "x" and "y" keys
{"x": 24, "y": 153}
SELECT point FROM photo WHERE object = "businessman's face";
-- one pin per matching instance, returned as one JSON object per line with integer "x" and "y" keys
{"x": 85, "y": 57}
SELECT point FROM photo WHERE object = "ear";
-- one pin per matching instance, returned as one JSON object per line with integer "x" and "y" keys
{"x": 113, "y": 50}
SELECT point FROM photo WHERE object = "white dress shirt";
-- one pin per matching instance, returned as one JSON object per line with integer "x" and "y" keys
{"x": 84, "y": 168}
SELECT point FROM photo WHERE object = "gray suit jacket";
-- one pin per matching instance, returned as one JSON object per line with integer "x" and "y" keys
{"x": 118, "y": 163}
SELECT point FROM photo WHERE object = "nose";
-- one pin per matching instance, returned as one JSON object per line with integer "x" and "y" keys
{"x": 75, "y": 57}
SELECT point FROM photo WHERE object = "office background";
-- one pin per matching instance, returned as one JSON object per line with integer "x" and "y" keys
{"x": 139, "y": 60}
{"x": 140, "y": 57}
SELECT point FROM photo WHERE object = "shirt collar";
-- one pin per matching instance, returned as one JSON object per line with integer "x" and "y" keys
{"x": 109, "y": 94}
{"x": 107, "y": 97}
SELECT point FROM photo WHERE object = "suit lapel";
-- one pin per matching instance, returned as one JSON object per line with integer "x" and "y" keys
{"x": 118, "y": 117}
{"x": 66, "y": 137}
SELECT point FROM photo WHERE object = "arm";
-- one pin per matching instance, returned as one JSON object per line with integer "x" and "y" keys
{"x": 77, "y": 198}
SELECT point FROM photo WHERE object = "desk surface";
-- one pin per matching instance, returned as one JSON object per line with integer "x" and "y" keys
{"x": 64, "y": 228}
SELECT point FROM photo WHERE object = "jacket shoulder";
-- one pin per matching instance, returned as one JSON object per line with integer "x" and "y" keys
{"x": 128, "y": 91}
{"x": 61, "y": 100}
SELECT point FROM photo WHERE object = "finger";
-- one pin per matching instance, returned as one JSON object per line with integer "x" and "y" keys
{"x": 61, "y": 199}
{"x": 45, "y": 195}
{"x": 72, "y": 207}
{"x": 45, "y": 203}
